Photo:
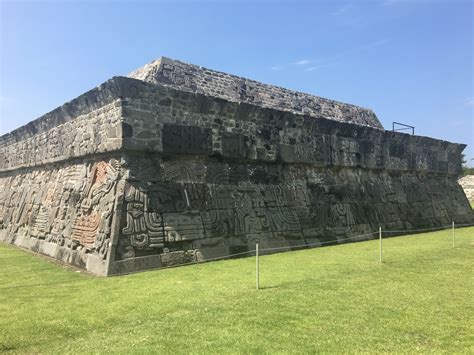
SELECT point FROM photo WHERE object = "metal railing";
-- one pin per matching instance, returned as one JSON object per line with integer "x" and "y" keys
{"x": 405, "y": 127}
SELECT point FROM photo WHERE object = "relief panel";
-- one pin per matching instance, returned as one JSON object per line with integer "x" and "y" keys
{"x": 143, "y": 226}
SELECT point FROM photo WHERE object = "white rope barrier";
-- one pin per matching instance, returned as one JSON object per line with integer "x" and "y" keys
{"x": 256, "y": 251}
{"x": 318, "y": 244}
{"x": 419, "y": 230}
{"x": 465, "y": 225}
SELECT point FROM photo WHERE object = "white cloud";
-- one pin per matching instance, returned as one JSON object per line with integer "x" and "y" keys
{"x": 325, "y": 62}
{"x": 303, "y": 62}
{"x": 351, "y": 52}
{"x": 276, "y": 67}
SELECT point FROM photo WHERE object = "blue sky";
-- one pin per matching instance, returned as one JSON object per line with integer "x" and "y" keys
{"x": 409, "y": 60}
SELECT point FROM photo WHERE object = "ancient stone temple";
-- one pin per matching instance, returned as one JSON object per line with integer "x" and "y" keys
{"x": 177, "y": 163}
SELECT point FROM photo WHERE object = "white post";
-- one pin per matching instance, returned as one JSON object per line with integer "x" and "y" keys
{"x": 454, "y": 236}
{"x": 380, "y": 239}
{"x": 257, "y": 271}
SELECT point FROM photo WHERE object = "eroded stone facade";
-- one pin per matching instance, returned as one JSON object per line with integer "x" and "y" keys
{"x": 139, "y": 174}
{"x": 64, "y": 211}
{"x": 220, "y": 207}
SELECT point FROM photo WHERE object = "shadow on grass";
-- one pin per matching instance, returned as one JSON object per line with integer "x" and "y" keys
{"x": 5, "y": 347}
{"x": 266, "y": 288}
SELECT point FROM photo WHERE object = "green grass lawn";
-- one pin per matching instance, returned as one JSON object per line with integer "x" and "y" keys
{"x": 332, "y": 299}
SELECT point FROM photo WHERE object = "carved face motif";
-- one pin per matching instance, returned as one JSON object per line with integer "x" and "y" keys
{"x": 139, "y": 240}
{"x": 135, "y": 209}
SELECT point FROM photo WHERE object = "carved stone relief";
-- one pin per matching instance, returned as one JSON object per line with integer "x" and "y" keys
{"x": 143, "y": 225}
{"x": 70, "y": 205}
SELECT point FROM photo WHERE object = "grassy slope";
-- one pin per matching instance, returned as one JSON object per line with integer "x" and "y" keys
{"x": 328, "y": 299}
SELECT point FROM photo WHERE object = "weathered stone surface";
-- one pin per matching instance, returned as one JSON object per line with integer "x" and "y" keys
{"x": 135, "y": 175}
{"x": 183, "y": 139}
{"x": 69, "y": 207}
{"x": 189, "y": 77}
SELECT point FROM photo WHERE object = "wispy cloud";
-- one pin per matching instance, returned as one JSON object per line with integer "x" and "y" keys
{"x": 303, "y": 62}
{"x": 343, "y": 9}
{"x": 349, "y": 53}
{"x": 470, "y": 101}
{"x": 277, "y": 67}
{"x": 374, "y": 44}
{"x": 308, "y": 65}
{"x": 313, "y": 68}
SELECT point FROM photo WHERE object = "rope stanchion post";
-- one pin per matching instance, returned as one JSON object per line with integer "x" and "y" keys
{"x": 380, "y": 242}
{"x": 454, "y": 236}
{"x": 257, "y": 268}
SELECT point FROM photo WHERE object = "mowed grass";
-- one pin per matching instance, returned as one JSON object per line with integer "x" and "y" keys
{"x": 332, "y": 299}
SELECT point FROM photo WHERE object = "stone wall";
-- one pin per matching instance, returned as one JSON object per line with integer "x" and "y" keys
{"x": 62, "y": 210}
{"x": 93, "y": 133}
{"x": 213, "y": 207}
{"x": 169, "y": 121}
{"x": 59, "y": 176}
{"x": 90, "y": 124}
{"x": 135, "y": 175}
{"x": 193, "y": 78}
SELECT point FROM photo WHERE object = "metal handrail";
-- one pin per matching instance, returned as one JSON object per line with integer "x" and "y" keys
{"x": 406, "y": 127}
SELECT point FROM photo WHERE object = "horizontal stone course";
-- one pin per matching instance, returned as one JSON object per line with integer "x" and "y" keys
{"x": 271, "y": 136}
{"x": 189, "y": 77}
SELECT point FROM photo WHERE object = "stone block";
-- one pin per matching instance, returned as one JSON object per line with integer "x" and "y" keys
{"x": 211, "y": 253}
{"x": 135, "y": 265}
{"x": 193, "y": 140}
{"x": 178, "y": 257}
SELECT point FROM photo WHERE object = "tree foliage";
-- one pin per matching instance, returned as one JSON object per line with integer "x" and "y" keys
{"x": 466, "y": 170}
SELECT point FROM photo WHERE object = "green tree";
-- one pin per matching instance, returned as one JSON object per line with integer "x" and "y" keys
{"x": 466, "y": 170}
